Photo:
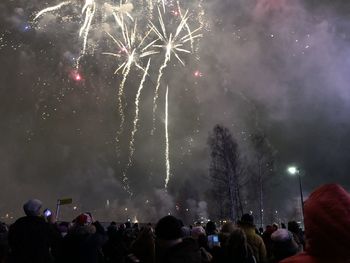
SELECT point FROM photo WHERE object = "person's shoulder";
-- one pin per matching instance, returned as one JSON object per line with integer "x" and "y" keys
{"x": 300, "y": 258}
{"x": 20, "y": 221}
{"x": 257, "y": 239}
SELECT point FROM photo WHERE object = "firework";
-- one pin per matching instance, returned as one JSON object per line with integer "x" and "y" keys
{"x": 136, "y": 120}
{"x": 132, "y": 52}
{"x": 51, "y": 9}
{"x": 172, "y": 43}
{"x": 88, "y": 12}
{"x": 160, "y": 32}
{"x": 167, "y": 160}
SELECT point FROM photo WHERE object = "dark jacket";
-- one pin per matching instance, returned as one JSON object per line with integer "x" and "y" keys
{"x": 327, "y": 227}
{"x": 83, "y": 244}
{"x": 31, "y": 240}
{"x": 185, "y": 252}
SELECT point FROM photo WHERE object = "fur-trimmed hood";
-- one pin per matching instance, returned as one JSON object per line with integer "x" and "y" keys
{"x": 327, "y": 227}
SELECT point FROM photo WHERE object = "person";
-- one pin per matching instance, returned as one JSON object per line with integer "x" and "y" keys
{"x": 3, "y": 242}
{"x": 327, "y": 227}
{"x": 171, "y": 247}
{"x": 31, "y": 238}
{"x": 143, "y": 249}
{"x": 115, "y": 249}
{"x": 283, "y": 245}
{"x": 275, "y": 227}
{"x": 84, "y": 241}
{"x": 297, "y": 232}
{"x": 225, "y": 232}
{"x": 211, "y": 228}
{"x": 255, "y": 241}
{"x": 197, "y": 231}
{"x": 238, "y": 249}
{"x": 267, "y": 240}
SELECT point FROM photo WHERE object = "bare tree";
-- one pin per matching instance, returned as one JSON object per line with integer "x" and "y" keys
{"x": 224, "y": 172}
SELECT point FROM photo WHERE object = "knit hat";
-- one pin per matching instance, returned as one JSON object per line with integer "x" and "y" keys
{"x": 168, "y": 228}
{"x": 32, "y": 207}
{"x": 246, "y": 220}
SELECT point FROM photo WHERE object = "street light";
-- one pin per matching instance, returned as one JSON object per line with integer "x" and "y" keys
{"x": 292, "y": 170}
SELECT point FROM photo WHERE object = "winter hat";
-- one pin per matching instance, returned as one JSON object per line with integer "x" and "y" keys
{"x": 168, "y": 228}
{"x": 83, "y": 219}
{"x": 247, "y": 220}
{"x": 327, "y": 223}
{"x": 32, "y": 207}
{"x": 197, "y": 231}
{"x": 284, "y": 244}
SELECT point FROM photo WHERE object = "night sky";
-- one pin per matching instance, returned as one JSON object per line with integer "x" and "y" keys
{"x": 274, "y": 65}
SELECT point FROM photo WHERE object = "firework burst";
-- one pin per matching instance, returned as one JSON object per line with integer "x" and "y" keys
{"x": 173, "y": 44}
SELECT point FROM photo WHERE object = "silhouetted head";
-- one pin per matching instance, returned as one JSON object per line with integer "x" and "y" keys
{"x": 210, "y": 228}
{"x": 32, "y": 207}
{"x": 247, "y": 220}
{"x": 168, "y": 228}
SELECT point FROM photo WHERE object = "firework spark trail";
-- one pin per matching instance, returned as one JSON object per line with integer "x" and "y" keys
{"x": 173, "y": 44}
{"x": 136, "y": 120}
{"x": 89, "y": 9}
{"x": 51, "y": 9}
{"x": 187, "y": 26}
{"x": 131, "y": 51}
{"x": 167, "y": 159}
{"x": 156, "y": 93}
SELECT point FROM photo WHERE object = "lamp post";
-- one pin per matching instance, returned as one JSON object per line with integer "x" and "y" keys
{"x": 292, "y": 170}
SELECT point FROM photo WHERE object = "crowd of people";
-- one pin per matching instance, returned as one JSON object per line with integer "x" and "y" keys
{"x": 38, "y": 239}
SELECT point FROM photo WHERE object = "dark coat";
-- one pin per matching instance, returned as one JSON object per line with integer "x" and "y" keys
{"x": 83, "y": 244}
{"x": 327, "y": 227}
{"x": 31, "y": 240}
{"x": 185, "y": 252}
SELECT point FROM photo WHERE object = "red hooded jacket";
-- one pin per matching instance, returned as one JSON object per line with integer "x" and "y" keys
{"x": 327, "y": 227}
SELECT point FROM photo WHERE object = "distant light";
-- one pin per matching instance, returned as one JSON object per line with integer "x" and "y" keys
{"x": 26, "y": 28}
{"x": 292, "y": 170}
{"x": 175, "y": 12}
{"x": 75, "y": 208}
{"x": 126, "y": 209}
{"x": 77, "y": 77}
{"x": 198, "y": 74}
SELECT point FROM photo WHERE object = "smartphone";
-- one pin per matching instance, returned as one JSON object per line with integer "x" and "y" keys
{"x": 47, "y": 212}
{"x": 213, "y": 241}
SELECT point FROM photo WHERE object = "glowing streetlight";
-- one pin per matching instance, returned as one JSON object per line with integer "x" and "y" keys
{"x": 293, "y": 170}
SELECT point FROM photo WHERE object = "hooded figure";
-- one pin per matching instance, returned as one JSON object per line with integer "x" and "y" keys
{"x": 327, "y": 227}
{"x": 84, "y": 241}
